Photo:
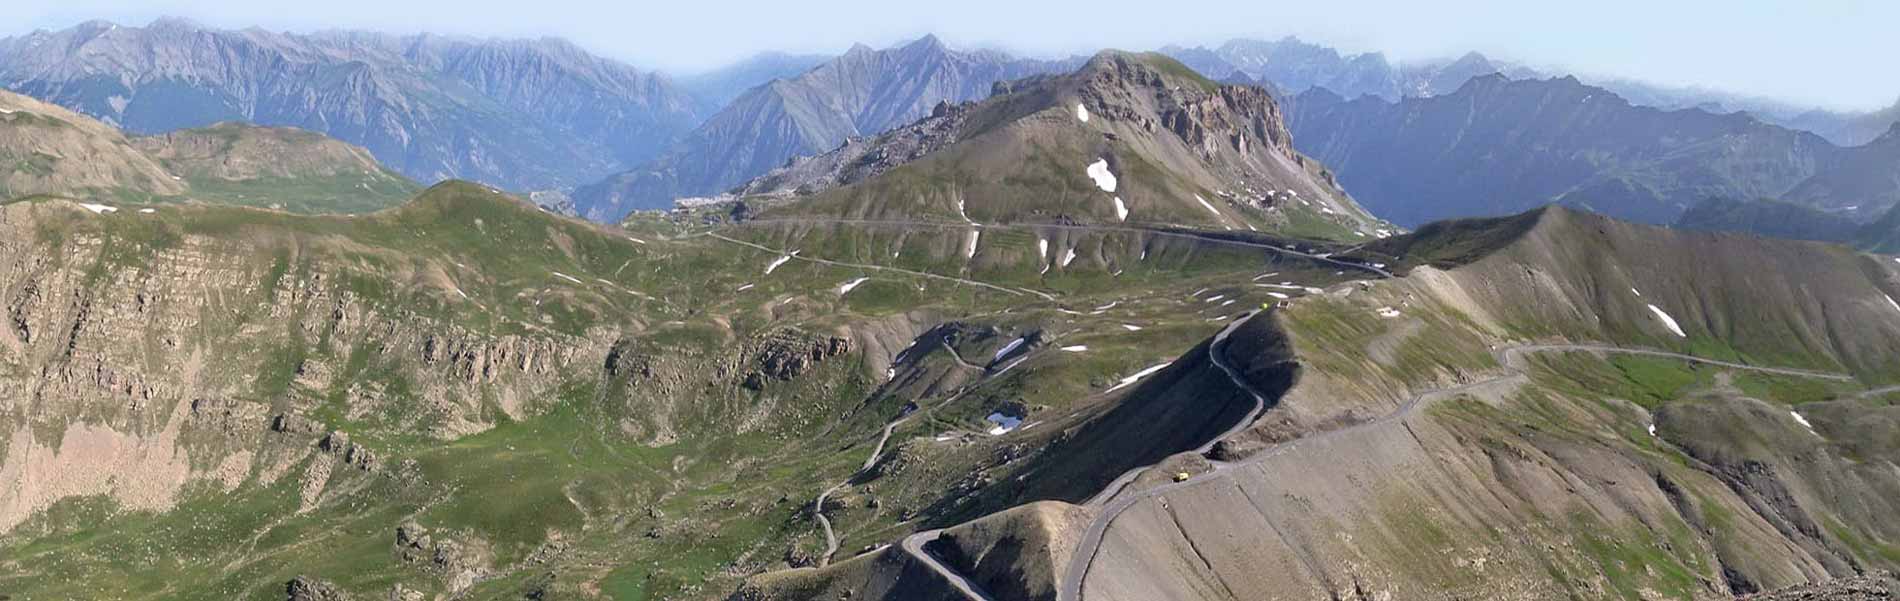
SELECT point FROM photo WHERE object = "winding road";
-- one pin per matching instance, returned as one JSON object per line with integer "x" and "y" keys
{"x": 921, "y": 274}
{"x": 1070, "y": 587}
{"x": 1190, "y": 235}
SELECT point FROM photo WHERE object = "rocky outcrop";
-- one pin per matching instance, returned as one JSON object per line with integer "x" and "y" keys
{"x": 1875, "y": 586}
{"x": 787, "y": 353}
{"x": 305, "y": 588}
{"x": 459, "y": 563}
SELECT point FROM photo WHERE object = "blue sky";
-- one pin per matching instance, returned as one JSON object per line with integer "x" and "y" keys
{"x": 1833, "y": 53}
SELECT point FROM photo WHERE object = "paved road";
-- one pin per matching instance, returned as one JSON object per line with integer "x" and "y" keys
{"x": 921, "y": 274}
{"x": 818, "y": 506}
{"x": 1183, "y": 233}
{"x": 1070, "y": 587}
{"x": 914, "y": 545}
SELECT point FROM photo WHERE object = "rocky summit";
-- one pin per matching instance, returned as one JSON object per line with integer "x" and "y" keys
{"x": 926, "y": 323}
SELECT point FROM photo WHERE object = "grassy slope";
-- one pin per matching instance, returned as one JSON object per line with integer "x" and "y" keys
{"x": 725, "y": 498}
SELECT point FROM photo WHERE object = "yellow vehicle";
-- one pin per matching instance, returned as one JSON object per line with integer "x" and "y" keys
{"x": 1181, "y": 476}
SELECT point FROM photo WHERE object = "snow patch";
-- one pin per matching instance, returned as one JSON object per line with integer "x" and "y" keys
{"x": 1098, "y": 171}
{"x": 846, "y": 288}
{"x": 1008, "y": 348}
{"x": 1804, "y": 422}
{"x": 1668, "y": 321}
{"x": 1068, "y": 257}
{"x": 636, "y": 240}
{"x": 147, "y": 211}
{"x": 1137, "y": 377}
{"x": 1652, "y": 430}
{"x": 1002, "y": 424}
{"x": 1214, "y": 298}
{"x": 960, "y": 213}
{"x": 1131, "y": 327}
{"x": 779, "y": 261}
{"x": 1278, "y": 295}
{"x": 1042, "y": 248}
{"x": 1227, "y": 302}
{"x": 566, "y": 277}
{"x": 1205, "y": 205}
{"x": 98, "y": 209}
{"x": 1388, "y": 312}
{"x": 1081, "y": 112}
{"x": 744, "y": 288}
{"x": 969, "y": 249}
{"x": 1121, "y": 210}
{"x": 1636, "y": 292}
{"x": 1075, "y": 349}
{"x": 1896, "y": 306}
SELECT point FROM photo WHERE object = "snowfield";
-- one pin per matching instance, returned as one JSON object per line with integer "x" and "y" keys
{"x": 1098, "y": 171}
{"x": 1668, "y": 321}
{"x": 1137, "y": 377}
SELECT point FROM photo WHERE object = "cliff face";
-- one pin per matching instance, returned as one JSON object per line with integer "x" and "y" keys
{"x": 190, "y": 359}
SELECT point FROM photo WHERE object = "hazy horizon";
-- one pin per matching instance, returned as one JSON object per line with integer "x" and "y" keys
{"x": 1753, "y": 48}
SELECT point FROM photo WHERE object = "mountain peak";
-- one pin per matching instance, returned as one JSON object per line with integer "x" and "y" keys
{"x": 172, "y": 22}
{"x": 930, "y": 41}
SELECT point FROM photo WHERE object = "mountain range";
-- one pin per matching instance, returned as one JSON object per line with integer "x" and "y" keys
{"x": 522, "y": 114}
{"x": 1295, "y": 66}
{"x": 545, "y": 116}
{"x": 864, "y": 92}
{"x": 1498, "y": 146}
{"x": 1113, "y": 331}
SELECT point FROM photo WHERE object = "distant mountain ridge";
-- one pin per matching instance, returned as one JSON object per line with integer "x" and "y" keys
{"x": 522, "y": 114}
{"x": 863, "y": 92}
{"x": 1295, "y": 66}
{"x": 1498, "y": 146}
